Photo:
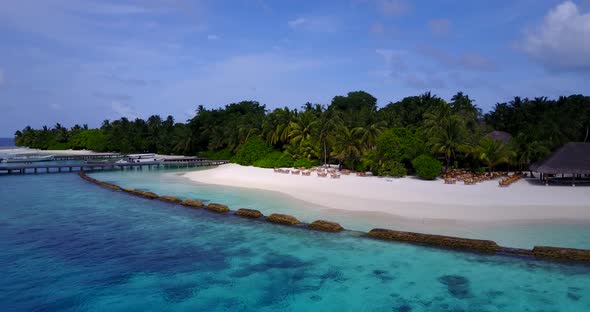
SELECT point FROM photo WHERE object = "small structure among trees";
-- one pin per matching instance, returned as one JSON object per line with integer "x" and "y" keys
{"x": 501, "y": 136}
{"x": 570, "y": 163}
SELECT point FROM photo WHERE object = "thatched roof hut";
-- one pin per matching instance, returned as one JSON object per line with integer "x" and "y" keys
{"x": 501, "y": 136}
{"x": 572, "y": 158}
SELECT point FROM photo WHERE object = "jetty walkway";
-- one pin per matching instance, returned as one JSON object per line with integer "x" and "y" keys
{"x": 108, "y": 166}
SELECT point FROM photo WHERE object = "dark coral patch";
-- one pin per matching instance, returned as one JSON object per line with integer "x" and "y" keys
{"x": 384, "y": 276}
{"x": 457, "y": 286}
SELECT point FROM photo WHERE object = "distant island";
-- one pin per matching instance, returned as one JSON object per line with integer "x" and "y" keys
{"x": 418, "y": 134}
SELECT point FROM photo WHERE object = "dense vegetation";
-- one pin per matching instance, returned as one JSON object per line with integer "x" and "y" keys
{"x": 351, "y": 131}
{"x": 426, "y": 167}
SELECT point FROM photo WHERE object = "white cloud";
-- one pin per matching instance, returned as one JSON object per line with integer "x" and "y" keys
{"x": 314, "y": 23}
{"x": 562, "y": 41}
{"x": 397, "y": 69}
{"x": 297, "y": 22}
{"x": 279, "y": 76}
{"x": 111, "y": 96}
{"x": 439, "y": 26}
{"x": 393, "y": 58}
{"x": 467, "y": 61}
{"x": 384, "y": 31}
{"x": 393, "y": 7}
{"x": 123, "y": 110}
{"x": 55, "y": 106}
{"x": 114, "y": 9}
{"x": 212, "y": 37}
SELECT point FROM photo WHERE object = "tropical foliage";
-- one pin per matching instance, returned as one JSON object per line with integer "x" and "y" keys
{"x": 427, "y": 167}
{"x": 351, "y": 132}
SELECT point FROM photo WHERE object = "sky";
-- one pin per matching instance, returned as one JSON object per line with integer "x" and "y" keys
{"x": 72, "y": 61}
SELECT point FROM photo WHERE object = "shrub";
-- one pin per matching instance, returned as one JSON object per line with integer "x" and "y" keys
{"x": 223, "y": 154}
{"x": 252, "y": 150}
{"x": 304, "y": 162}
{"x": 427, "y": 167}
{"x": 58, "y": 146}
{"x": 392, "y": 168}
{"x": 399, "y": 144}
{"x": 274, "y": 159}
{"x": 361, "y": 167}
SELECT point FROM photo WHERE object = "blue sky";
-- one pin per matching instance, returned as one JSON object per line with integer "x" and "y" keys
{"x": 73, "y": 61}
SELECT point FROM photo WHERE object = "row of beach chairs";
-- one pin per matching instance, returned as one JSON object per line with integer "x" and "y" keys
{"x": 509, "y": 180}
{"x": 320, "y": 172}
{"x": 469, "y": 178}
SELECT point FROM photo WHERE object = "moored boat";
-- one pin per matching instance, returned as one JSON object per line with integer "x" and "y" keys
{"x": 139, "y": 158}
{"x": 28, "y": 159}
{"x": 101, "y": 161}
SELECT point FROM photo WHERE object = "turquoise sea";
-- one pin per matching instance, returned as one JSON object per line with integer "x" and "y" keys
{"x": 69, "y": 245}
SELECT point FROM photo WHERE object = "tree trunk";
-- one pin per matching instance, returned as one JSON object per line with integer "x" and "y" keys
{"x": 325, "y": 153}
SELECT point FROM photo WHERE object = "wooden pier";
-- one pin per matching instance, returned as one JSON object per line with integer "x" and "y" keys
{"x": 86, "y": 157}
{"x": 89, "y": 167}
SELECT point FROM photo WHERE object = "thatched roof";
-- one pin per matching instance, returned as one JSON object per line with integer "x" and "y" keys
{"x": 501, "y": 136}
{"x": 571, "y": 158}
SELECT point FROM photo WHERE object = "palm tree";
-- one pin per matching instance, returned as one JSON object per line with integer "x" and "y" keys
{"x": 276, "y": 126}
{"x": 186, "y": 139}
{"x": 302, "y": 128}
{"x": 493, "y": 152}
{"x": 528, "y": 149}
{"x": 447, "y": 132}
{"x": 347, "y": 144}
{"x": 325, "y": 132}
{"x": 370, "y": 133}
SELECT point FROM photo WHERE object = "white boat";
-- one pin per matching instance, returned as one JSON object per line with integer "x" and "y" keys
{"x": 139, "y": 158}
{"x": 28, "y": 159}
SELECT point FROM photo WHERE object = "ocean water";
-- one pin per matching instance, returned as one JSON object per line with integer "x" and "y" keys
{"x": 521, "y": 235}
{"x": 6, "y": 142}
{"x": 69, "y": 245}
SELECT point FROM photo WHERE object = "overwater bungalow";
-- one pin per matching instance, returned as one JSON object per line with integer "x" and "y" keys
{"x": 569, "y": 164}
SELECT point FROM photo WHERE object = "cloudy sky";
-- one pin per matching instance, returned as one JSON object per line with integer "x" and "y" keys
{"x": 74, "y": 61}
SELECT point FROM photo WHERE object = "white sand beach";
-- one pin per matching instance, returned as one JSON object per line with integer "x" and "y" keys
{"x": 413, "y": 198}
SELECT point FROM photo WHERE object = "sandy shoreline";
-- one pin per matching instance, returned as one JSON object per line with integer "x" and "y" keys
{"x": 411, "y": 198}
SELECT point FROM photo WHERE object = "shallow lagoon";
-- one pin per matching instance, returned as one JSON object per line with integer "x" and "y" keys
{"x": 522, "y": 235}
{"x": 69, "y": 245}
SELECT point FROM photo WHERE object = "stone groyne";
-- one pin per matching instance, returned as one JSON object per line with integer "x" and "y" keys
{"x": 438, "y": 241}
{"x": 450, "y": 242}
